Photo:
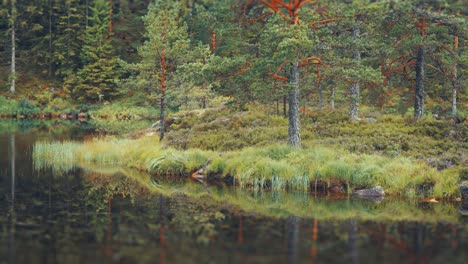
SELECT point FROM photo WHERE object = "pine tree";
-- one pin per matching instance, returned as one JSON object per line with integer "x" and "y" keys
{"x": 166, "y": 48}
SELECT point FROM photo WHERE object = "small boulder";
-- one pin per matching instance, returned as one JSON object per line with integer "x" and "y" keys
{"x": 464, "y": 190}
{"x": 374, "y": 191}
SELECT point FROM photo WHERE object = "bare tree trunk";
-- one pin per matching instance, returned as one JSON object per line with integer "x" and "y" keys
{"x": 332, "y": 101}
{"x": 13, "y": 48}
{"x": 355, "y": 89}
{"x": 294, "y": 135}
{"x": 419, "y": 88}
{"x": 49, "y": 73}
{"x": 454, "y": 79}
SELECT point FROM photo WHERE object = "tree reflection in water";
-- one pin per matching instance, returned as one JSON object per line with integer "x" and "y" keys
{"x": 116, "y": 215}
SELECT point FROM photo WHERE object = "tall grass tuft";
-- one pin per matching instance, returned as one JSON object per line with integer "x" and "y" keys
{"x": 60, "y": 156}
{"x": 278, "y": 167}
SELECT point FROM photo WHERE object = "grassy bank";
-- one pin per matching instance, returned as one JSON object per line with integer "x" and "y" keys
{"x": 276, "y": 167}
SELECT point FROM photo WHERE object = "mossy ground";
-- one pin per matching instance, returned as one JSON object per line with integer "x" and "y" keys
{"x": 406, "y": 157}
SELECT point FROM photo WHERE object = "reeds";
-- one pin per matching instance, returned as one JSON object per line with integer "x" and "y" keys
{"x": 276, "y": 167}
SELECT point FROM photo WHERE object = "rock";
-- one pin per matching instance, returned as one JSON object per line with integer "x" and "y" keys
{"x": 374, "y": 191}
{"x": 464, "y": 190}
{"x": 375, "y": 199}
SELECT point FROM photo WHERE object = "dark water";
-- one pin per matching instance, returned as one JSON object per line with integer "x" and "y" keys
{"x": 88, "y": 217}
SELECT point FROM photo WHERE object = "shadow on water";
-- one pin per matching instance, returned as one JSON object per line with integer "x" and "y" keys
{"x": 96, "y": 214}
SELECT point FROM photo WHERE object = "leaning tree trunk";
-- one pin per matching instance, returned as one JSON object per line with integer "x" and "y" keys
{"x": 419, "y": 88}
{"x": 294, "y": 135}
{"x": 354, "y": 90}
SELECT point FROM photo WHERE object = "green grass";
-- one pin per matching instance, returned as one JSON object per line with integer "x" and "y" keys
{"x": 276, "y": 167}
{"x": 399, "y": 154}
{"x": 8, "y": 107}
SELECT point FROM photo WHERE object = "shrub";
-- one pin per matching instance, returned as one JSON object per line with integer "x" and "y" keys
{"x": 25, "y": 107}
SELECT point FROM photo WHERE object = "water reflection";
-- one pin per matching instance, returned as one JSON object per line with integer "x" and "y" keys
{"x": 293, "y": 225}
{"x": 11, "y": 211}
{"x": 106, "y": 215}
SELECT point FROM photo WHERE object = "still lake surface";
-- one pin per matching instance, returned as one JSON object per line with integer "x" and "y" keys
{"x": 109, "y": 215}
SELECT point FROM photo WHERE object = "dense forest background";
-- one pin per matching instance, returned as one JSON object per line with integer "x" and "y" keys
{"x": 400, "y": 57}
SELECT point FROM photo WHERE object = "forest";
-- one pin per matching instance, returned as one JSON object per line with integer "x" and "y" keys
{"x": 253, "y": 131}
{"x": 382, "y": 78}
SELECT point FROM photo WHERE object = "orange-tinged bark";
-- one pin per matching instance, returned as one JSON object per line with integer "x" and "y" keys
{"x": 399, "y": 68}
{"x": 279, "y": 77}
{"x": 213, "y": 41}
{"x": 325, "y": 21}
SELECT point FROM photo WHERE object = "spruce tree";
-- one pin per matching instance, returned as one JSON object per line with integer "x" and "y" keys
{"x": 97, "y": 79}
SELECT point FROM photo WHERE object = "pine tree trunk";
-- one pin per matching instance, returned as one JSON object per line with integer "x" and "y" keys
{"x": 454, "y": 80}
{"x": 332, "y": 101}
{"x": 419, "y": 88}
{"x": 49, "y": 73}
{"x": 163, "y": 94}
{"x": 355, "y": 89}
{"x": 163, "y": 82}
{"x": 161, "y": 117}
{"x": 294, "y": 136}
{"x": 13, "y": 48}
{"x": 13, "y": 58}
{"x": 454, "y": 98}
